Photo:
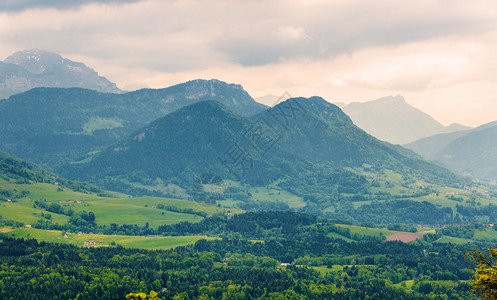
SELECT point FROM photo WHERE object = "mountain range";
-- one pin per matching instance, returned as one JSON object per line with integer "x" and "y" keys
{"x": 393, "y": 120}
{"x": 470, "y": 152}
{"x": 308, "y": 146}
{"x": 53, "y": 126}
{"x": 28, "y": 69}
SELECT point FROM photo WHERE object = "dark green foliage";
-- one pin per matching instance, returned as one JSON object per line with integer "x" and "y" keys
{"x": 22, "y": 171}
{"x": 467, "y": 231}
{"x": 55, "y": 271}
{"x": 403, "y": 211}
{"x": 478, "y": 214}
{"x": 401, "y": 227}
{"x": 53, "y": 126}
{"x": 312, "y": 147}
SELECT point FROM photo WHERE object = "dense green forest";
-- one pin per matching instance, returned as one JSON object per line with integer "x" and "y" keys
{"x": 306, "y": 147}
{"x": 265, "y": 255}
{"x": 231, "y": 269}
{"x": 54, "y": 126}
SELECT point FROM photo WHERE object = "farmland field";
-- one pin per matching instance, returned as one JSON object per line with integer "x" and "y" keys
{"x": 139, "y": 211}
{"x": 140, "y": 242}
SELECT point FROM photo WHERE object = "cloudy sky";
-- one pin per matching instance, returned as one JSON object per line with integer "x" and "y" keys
{"x": 440, "y": 55}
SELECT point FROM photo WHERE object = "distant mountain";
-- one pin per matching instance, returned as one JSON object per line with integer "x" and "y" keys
{"x": 471, "y": 152}
{"x": 28, "y": 69}
{"x": 307, "y": 145}
{"x": 53, "y": 126}
{"x": 427, "y": 147}
{"x": 393, "y": 120}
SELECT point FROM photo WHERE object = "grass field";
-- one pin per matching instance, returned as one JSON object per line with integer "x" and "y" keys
{"x": 408, "y": 284}
{"x": 27, "y": 215}
{"x": 453, "y": 240}
{"x": 323, "y": 270}
{"x": 396, "y": 186}
{"x": 486, "y": 234}
{"x": 55, "y": 236}
{"x": 107, "y": 210}
{"x": 338, "y": 236}
{"x": 96, "y": 123}
{"x": 269, "y": 193}
{"x": 367, "y": 231}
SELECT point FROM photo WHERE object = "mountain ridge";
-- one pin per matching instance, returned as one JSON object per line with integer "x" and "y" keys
{"x": 51, "y": 126}
{"x": 32, "y": 68}
{"x": 393, "y": 120}
{"x": 469, "y": 152}
{"x": 308, "y": 145}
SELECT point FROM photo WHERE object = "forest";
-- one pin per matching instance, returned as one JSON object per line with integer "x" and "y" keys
{"x": 259, "y": 255}
{"x": 226, "y": 269}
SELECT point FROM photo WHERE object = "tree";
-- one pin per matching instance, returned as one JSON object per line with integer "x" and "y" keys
{"x": 484, "y": 280}
{"x": 143, "y": 296}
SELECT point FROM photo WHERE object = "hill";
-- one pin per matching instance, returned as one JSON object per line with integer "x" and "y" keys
{"x": 53, "y": 126}
{"x": 304, "y": 152}
{"x": 33, "y": 196}
{"x": 393, "y": 120}
{"x": 429, "y": 146}
{"x": 15, "y": 171}
{"x": 187, "y": 140}
{"x": 469, "y": 152}
{"x": 28, "y": 69}
{"x": 472, "y": 154}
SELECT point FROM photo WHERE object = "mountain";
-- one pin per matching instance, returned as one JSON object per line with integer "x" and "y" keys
{"x": 28, "y": 69}
{"x": 393, "y": 120}
{"x": 471, "y": 152}
{"x": 427, "y": 147}
{"x": 308, "y": 146}
{"x": 53, "y": 126}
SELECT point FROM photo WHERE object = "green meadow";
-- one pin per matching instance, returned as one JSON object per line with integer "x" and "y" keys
{"x": 367, "y": 231}
{"x": 141, "y": 242}
{"x": 122, "y": 210}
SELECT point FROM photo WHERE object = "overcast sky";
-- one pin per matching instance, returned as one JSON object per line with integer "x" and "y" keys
{"x": 440, "y": 55}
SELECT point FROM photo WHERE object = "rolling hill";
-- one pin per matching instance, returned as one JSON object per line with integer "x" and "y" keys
{"x": 53, "y": 126}
{"x": 33, "y": 196}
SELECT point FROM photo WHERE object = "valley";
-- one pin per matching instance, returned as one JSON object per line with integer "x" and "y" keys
{"x": 196, "y": 190}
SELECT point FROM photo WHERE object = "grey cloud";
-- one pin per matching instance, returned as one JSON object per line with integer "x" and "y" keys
{"x": 21, "y": 5}
{"x": 334, "y": 30}
{"x": 191, "y": 34}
